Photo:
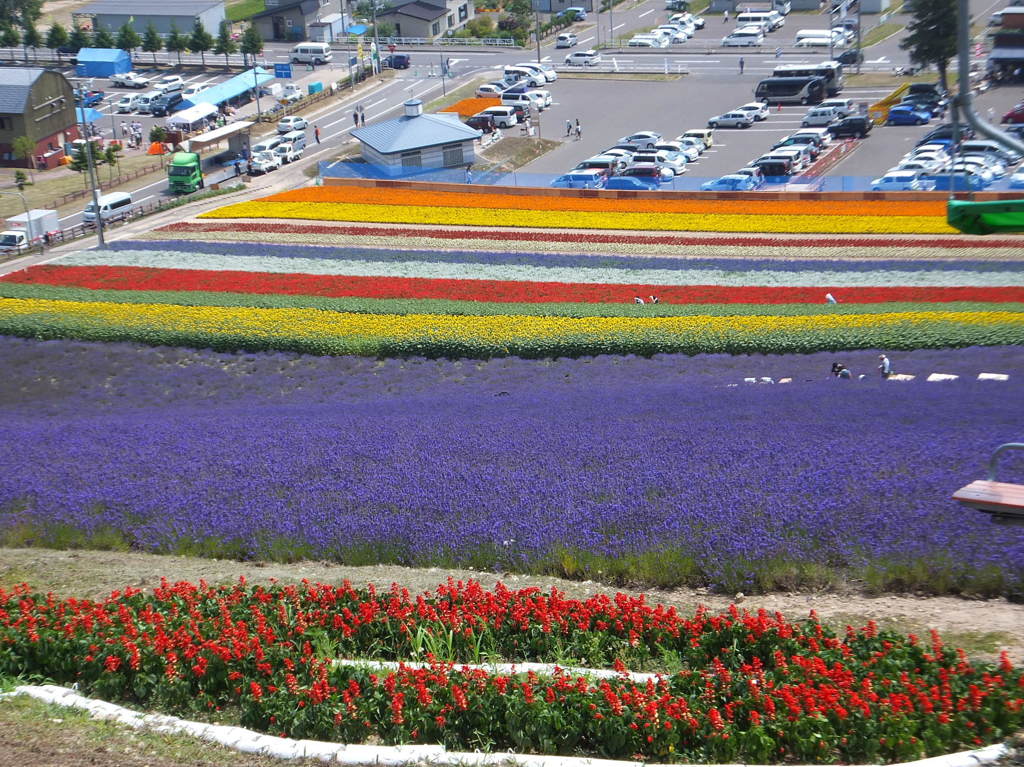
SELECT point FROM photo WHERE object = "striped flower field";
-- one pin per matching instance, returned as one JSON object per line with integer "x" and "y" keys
{"x": 401, "y": 302}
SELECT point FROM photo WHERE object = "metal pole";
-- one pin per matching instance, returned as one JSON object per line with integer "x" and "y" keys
{"x": 256, "y": 82}
{"x": 440, "y": 56}
{"x": 28, "y": 222}
{"x": 92, "y": 182}
{"x": 611, "y": 24}
{"x": 376, "y": 39}
{"x": 860, "y": 53}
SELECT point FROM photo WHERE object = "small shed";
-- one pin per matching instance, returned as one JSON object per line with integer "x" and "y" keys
{"x": 102, "y": 62}
{"x": 330, "y": 28}
{"x": 417, "y": 141}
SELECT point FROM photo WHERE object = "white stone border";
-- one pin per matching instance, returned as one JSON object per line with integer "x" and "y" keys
{"x": 251, "y": 742}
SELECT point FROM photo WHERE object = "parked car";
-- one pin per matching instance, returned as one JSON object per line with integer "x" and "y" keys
{"x": 589, "y": 58}
{"x": 753, "y": 173}
{"x": 503, "y": 117}
{"x": 907, "y": 115}
{"x": 566, "y": 40}
{"x": 644, "y": 139}
{"x": 128, "y": 103}
{"x": 608, "y": 163}
{"x": 987, "y": 146}
{"x": 933, "y": 108}
{"x": 732, "y": 183}
{"x": 647, "y": 41}
{"x": 587, "y": 178}
{"x": 130, "y": 80}
{"x": 633, "y": 183}
{"x": 744, "y": 37}
{"x": 731, "y": 120}
{"x": 1015, "y": 115}
{"x": 842, "y": 107}
{"x": 850, "y": 57}
{"x": 819, "y": 117}
{"x": 849, "y": 127}
{"x": 650, "y": 171}
{"x": 1017, "y": 179}
{"x": 170, "y": 83}
{"x": 945, "y": 131}
{"x": 671, "y": 160}
{"x": 165, "y": 104}
{"x": 293, "y": 122}
{"x": 696, "y": 143}
{"x": 901, "y": 181}
{"x": 88, "y": 98}
{"x": 705, "y": 135}
{"x": 574, "y": 13}
{"x": 482, "y": 122}
{"x": 813, "y": 147}
{"x": 688, "y": 151}
{"x": 490, "y": 89}
{"x": 758, "y": 110}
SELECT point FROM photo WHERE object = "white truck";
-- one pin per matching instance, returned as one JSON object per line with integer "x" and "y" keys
{"x": 28, "y": 229}
{"x": 129, "y": 80}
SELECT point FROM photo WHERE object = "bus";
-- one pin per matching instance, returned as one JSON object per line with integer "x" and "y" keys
{"x": 831, "y": 71}
{"x": 791, "y": 90}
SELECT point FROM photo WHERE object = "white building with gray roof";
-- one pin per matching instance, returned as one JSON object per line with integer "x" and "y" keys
{"x": 415, "y": 141}
{"x": 162, "y": 14}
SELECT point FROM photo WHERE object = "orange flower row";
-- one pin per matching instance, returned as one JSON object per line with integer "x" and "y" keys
{"x": 483, "y": 199}
{"x": 469, "y": 107}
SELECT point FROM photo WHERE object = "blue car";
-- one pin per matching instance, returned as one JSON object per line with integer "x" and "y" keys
{"x": 906, "y": 115}
{"x": 961, "y": 182}
{"x": 632, "y": 183}
{"x": 731, "y": 183}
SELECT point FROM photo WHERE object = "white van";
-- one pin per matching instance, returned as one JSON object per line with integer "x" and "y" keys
{"x": 819, "y": 116}
{"x": 816, "y": 38}
{"x": 113, "y": 206}
{"x": 268, "y": 144}
{"x": 516, "y": 74}
{"x": 128, "y": 103}
{"x": 504, "y": 116}
{"x": 550, "y": 75}
{"x": 146, "y": 100}
{"x": 297, "y": 138}
{"x": 312, "y": 53}
{"x": 773, "y": 19}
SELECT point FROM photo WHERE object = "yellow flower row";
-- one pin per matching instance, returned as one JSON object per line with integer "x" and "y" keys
{"x": 692, "y": 222}
{"x": 271, "y": 323}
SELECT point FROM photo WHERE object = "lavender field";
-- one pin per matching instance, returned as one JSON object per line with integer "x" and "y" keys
{"x": 611, "y": 468}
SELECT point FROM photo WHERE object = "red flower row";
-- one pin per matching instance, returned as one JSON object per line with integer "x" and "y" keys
{"x": 498, "y": 291}
{"x": 639, "y": 239}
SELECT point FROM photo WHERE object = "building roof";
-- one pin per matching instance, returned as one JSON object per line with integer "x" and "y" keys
{"x": 236, "y": 86}
{"x": 1006, "y": 54}
{"x": 307, "y": 7}
{"x": 417, "y": 9}
{"x": 150, "y": 7}
{"x": 404, "y": 134}
{"x": 101, "y": 54}
{"x": 15, "y": 87}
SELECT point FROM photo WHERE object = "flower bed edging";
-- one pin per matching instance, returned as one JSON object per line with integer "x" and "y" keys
{"x": 248, "y": 741}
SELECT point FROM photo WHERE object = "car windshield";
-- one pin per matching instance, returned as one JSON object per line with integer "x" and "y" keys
{"x": 8, "y": 239}
{"x": 180, "y": 170}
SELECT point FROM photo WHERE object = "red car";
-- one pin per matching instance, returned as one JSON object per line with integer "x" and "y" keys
{"x": 1015, "y": 115}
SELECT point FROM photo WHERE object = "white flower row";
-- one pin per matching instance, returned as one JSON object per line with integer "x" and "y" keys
{"x": 251, "y": 742}
{"x": 530, "y": 273}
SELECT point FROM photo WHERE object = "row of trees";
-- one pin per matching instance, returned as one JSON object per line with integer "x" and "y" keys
{"x": 199, "y": 41}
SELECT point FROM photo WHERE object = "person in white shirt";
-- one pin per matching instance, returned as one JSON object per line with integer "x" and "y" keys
{"x": 884, "y": 366}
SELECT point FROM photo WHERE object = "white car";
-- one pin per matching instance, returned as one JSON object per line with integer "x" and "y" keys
{"x": 192, "y": 90}
{"x": 623, "y": 154}
{"x": 696, "y": 143}
{"x": 998, "y": 169}
{"x": 647, "y": 41}
{"x": 933, "y": 158}
{"x": 919, "y": 166}
{"x": 644, "y": 139}
{"x": 818, "y": 116}
{"x": 127, "y": 103}
{"x": 288, "y": 124}
{"x": 541, "y": 99}
{"x": 758, "y": 110}
{"x": 1017, "y": 179}
{"x": 672, "y": 160}
{"x": 975, "y": 167}
{"x": 800, "y": 157}
{"x": 566, "y": 40}
{"x": 842, "y": 107}
{"x": 688, "y": 151}
{"x": 744, "y": 37}
{"x": 822, "y": 133}
{"x": 490, "y": 89}
{"x": 686, "y": 16}
{"x": 901, "y": 181}
{"x": 731, "y": 120}
{"x": 264, "y": 162}
{"x": 545, "y": 70}
{"x": 169, "y": 83}
{"x": 589, "y": 58}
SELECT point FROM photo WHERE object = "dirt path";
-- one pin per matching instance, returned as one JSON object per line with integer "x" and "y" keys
{"x": 982, "y": 627}
{"x": 60, "y": 11}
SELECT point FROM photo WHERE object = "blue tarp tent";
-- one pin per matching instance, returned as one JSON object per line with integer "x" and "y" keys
{"x": 87, "y": 115}
{"x": 102, "y": 62}
{"x": 225, "y": 91}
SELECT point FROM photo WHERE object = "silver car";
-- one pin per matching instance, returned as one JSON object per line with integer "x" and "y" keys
{"x": 731, "y": 120}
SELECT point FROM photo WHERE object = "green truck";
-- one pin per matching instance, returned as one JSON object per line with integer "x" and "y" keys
{"x": 183, "y": 174}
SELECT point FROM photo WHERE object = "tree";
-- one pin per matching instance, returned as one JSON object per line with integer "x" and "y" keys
{"x": 127, "y": 38}
{"x": 201, "y": 41}
{"x": 931, "y": 34}
{"x": 225, "y": 45}
{"x": 31, "y": 39}
{"x": 80, "y": 162}
{"x": 176, "y": 42}
{"x": 23, "y": 148}
{"x": 111, "y": 158}
{"x": 56, "y": 37}
{"x": 103, "y": 39}
{"x": 151, "y": 42}
{"x": 79, "y": 38}
{"x": 252, "y": 43}
{"x": 9, "y": 37}
{"x": 20, "y": 180}
{"x": 157, "y": 134}
{"x": 20, "y": 13}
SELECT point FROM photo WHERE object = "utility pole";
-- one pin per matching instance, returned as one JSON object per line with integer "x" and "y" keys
{"x": 375, "y": 53}
{"x": 611, "y": 24}
{"x": 444, "y": 71}
{"x": 860, "y": 53}
{"x": 91, "y": 167}
{"x": 536, "y": 26}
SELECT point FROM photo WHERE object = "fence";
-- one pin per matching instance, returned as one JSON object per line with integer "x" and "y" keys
{"x": 104, "y": 185}
{"x": 498, "y": 42}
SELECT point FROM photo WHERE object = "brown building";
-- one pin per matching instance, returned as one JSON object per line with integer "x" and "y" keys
{"x": 291, "y": 19}
{"x": 40, "y": 104}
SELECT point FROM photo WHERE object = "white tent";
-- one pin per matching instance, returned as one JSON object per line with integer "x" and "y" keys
{"x": 191, "y": 118}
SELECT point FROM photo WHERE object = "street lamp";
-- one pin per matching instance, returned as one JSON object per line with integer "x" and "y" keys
{"x": 536, "y": 24}
{"x": 91, "y": 167}
{"x": 28, "y": 218}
